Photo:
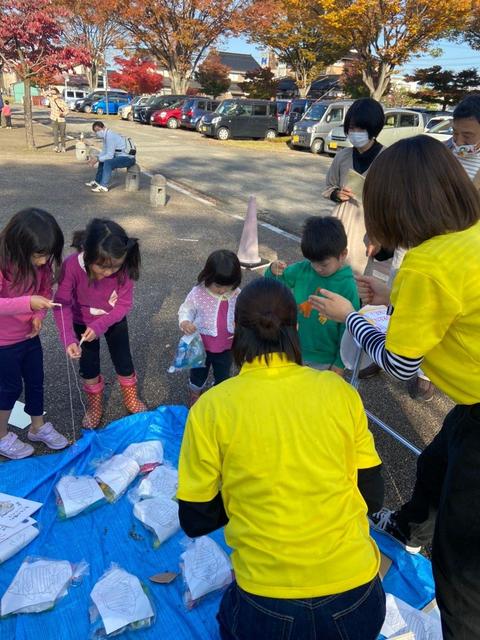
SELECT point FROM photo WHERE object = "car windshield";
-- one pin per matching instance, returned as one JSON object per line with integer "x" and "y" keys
{"x": 281, "y": 107}
{"x": 176, "y": 105}
{"x": 443, "y": 127}
{"x": 227, "y": 106}
{"x": 188, "y": 104}
{"x": 156, "y": 100}
{"x": 315, "y": 112}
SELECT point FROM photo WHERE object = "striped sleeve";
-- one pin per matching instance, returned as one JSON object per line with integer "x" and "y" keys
{"x": 373, "y": 342}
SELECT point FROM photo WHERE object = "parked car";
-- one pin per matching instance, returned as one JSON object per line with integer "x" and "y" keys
{"x": 111, "y": 107}
{"x": 70, "y": 96}
{"x": 283, "y": 115}
{"x": 169, "y": 117}
{"x": 442, "y": 131}
{"x": 126, "y": 111}
{"x": 240, "y": 118}
{"x": 399, "y": 124}
{"x": 296, "y": 111}
{"x": 193, "y": 110}
{"x": 85, "y": 104}
{"x": 311, "y": 131}
{"x": 154, "y": 103}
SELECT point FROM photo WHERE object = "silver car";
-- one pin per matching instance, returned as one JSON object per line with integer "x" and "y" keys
{"x": 311, "y": 131}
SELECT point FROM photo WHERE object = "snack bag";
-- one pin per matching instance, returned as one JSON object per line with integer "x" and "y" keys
{"x": 114, "y": 476}
{"x": 75, "y": 494}
{"x": 162, "y": 481}
{"x": 159, "y": 515}
{"x": 147, "y": 455}
{"x": 190, "y": 354}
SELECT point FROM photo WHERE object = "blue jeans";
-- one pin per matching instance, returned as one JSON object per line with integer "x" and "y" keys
{"x": 22, "y": 363}
{"x": 357, "y": 614}
{"x": 104, "y": 171}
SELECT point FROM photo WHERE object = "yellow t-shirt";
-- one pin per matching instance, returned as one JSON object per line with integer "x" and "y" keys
{"x": 284, "y": 443}
{"x": 436, "y": 300}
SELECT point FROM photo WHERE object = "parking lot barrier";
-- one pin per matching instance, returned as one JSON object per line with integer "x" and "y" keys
{"x": 158, "y": 190}
{"x": 132, "y": 181}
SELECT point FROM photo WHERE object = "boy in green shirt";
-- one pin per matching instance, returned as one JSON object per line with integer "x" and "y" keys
{"x": 324, "y": 246}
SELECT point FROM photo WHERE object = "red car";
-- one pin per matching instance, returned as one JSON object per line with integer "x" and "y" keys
{"x": 169, "y": 117}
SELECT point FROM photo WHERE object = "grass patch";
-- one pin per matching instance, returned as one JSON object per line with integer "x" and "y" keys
{"x": 278, "y": 144}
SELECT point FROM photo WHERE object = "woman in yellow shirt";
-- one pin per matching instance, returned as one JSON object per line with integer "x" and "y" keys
{"x": 282, "y": 455}
{"x": 420, "y": 197}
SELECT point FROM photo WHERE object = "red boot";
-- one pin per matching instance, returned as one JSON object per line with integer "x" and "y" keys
{"x": 128, "y": 387}
{"x": 94, "y": 411}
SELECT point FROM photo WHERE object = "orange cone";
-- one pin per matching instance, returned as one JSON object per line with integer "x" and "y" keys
{"x": 248, "y": 249}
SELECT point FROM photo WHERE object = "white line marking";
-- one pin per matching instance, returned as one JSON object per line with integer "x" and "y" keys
{"x": 281, "y": 232}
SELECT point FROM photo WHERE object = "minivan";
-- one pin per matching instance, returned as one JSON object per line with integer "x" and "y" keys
{"x": 297, "y": 109}
{"x": 155, "y": 103}
{"x": 70, "y": 96}
{"x": 312, "y": 130}
{"x": 194, "y": 109}
{"x": 241, "y": 118}
{"x": 85, "y": 104}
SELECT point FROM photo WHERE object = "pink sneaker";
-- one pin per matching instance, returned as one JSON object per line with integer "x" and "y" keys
{"x": 49, "y": 436}
{"x": 13, "y": 448}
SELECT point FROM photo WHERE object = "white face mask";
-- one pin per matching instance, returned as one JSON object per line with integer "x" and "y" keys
{"x": 465, "y": 150}
{"x": 359, "y": 139}
{"x": 100, "y": 134}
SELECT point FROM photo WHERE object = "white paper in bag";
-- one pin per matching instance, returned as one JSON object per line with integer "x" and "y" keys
{"x": 160, "y": 515}
{"x": 206, "y": 567}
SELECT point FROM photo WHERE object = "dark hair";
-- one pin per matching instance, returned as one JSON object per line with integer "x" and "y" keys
{"x": 55, "y": 90}
{"x": 469, "y": 107}
{"x": 7, "y": 102}
{"x": 103, "y": 241}
{"x": 98, "y": 124}
{"x": 29, "y": 231}
{"x": 419, "y": 190}
{"x": 222, "y": 267}
{"x": 323, "y": 238}
{"x": 265, "y": 323}
{"x": 367, "y": 114}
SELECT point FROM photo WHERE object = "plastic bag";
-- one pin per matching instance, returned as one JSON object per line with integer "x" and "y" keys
{"x": 120, "y": 603}
{"x": 38, "y": 584}
{"x": 16, "y": 543}
{"x": 163, "y": 481}
{"x": 147, "y": 455}
{"x": 114, "y": 476}
{"x": 159, "y": 515}
{"x": 205, "y": 568}
{"x": 190, "y": 354}
{"x": 75, "y": 494}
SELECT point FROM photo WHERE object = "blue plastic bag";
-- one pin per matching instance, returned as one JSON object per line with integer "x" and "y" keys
{"x": 190, "y": 354}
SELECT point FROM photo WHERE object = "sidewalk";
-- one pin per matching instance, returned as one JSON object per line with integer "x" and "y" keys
{"x": 175, "y": 242}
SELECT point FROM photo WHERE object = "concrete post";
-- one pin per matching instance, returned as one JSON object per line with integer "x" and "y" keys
{"x": 158, "y": 190}
{"x": 132, "y": 181}
{"x": 81, "y": 150}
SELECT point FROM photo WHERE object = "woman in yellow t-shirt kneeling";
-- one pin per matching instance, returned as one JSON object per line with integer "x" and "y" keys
{"x": 282, "y": 456}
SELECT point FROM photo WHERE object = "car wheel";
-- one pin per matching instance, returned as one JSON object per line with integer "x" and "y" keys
{"x": 317, "y": 146}
{"x": 99, "y": 111}
{"x": 223, "y": 133}
{"x": 87, "y": 109}
{"x": 271, "y": 134}
{"x": 197, "y": 127}
{"x": 130, "y": 117}
{"x": 172, "y": 123}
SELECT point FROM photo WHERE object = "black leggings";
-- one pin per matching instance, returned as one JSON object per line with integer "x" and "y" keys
{"x": 118, "y": 345}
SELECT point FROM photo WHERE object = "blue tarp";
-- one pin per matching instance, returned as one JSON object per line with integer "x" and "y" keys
{"x": 109, "y": 534}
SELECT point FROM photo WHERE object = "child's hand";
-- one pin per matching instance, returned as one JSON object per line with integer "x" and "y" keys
{"x": 37, "y": 303}
{"x": 188, "y": 327}
{"x": 36, "y": 327}
{"x": 74, "y": 351}
{"x": 337, "y": 370}
{"x": 278, "y": 267}
{"x": 89, "y": 335}
{"x": 344, "y": 194}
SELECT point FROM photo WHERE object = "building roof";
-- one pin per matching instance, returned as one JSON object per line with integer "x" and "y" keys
{"x": 239, "y": 62}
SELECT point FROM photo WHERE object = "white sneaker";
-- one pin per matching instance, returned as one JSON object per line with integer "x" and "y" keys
{"x": 13, "y": 448}
{"x": 92, "y": 183}
{"x": 49, "y": 436}
{"x": 100, "y": 189}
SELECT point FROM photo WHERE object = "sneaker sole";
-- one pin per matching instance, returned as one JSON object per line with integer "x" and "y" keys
{"x": 26, "y": 455}
{"x": 50, "y": 446}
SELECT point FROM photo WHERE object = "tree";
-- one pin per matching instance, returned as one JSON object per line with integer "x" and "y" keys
{"x": 212, "y": 75}
{"x": 91, "y": 25}
{"x": 470, "y": 31}
{"x": 177, "y": 34}
{"x": 136, "y": 76}
{"x": 30, "y": 45}
{"x": 352, "y": 83}
{"x": 386, "y": 33}
{"x": 443, "y": 86}
{"x": 260, "y": 83}
{"x": 294, "y": 31}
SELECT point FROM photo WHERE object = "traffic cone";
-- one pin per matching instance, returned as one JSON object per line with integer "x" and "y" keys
{"x": 248, "y": 249}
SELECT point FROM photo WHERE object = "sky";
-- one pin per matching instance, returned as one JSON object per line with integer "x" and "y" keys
{"x": 454, "y": 56}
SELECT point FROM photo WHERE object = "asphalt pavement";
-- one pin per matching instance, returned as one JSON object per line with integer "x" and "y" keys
{"x": 175, "y": 241}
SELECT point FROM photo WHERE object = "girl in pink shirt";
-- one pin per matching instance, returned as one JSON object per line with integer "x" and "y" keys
{"x": 30, "y": 245}
{"x": 96, "y": 294}
{"x": 209, "y": 309}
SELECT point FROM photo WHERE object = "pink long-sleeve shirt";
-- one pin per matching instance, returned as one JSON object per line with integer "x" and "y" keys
{"x": 98, "y": 304}
{"x": 16, "y": 314}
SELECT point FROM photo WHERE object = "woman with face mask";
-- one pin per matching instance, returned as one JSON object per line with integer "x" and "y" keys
{"x": 363, "y": 122}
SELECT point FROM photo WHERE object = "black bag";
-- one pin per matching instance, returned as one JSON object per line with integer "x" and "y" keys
{"x": 130, "y": 147}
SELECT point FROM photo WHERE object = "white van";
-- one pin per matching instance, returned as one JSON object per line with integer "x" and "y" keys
{"x": 71, "y": 95}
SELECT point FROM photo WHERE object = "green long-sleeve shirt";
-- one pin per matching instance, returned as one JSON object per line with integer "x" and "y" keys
{"x": 319, "y": 338}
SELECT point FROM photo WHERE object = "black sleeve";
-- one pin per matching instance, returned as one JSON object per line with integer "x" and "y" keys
{"x": 383, "y": 254}
{"x": 200, "y": 518}
{"x": 334, "y": 196}
{"x": 371, "y": 485}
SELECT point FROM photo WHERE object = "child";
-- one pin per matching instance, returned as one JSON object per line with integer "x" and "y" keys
{"x": 7, "y": 114}
{"x": 209, "y": 309}
{"x": 324, "y": 245}
{"x": 96, "y": 293}
{"x": 30, "y": 244}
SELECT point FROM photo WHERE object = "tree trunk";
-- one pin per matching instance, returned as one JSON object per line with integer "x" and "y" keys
{"x": 27, "y": 109}
{"x": 92, "y": 75}
{"x": 377, "y": 87}
{"x": 179, "y": 82}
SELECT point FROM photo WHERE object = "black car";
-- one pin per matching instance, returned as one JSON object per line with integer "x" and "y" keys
{"x": 297, "y": 108}
{"x": 85, "y": 104}
{"x": 155, "y": 103}
{"x": 240, "y": 118}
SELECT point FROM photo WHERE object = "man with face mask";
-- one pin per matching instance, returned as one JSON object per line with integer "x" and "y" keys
{"x": 114, "y": 155}
{"x": 465, "y": 143}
